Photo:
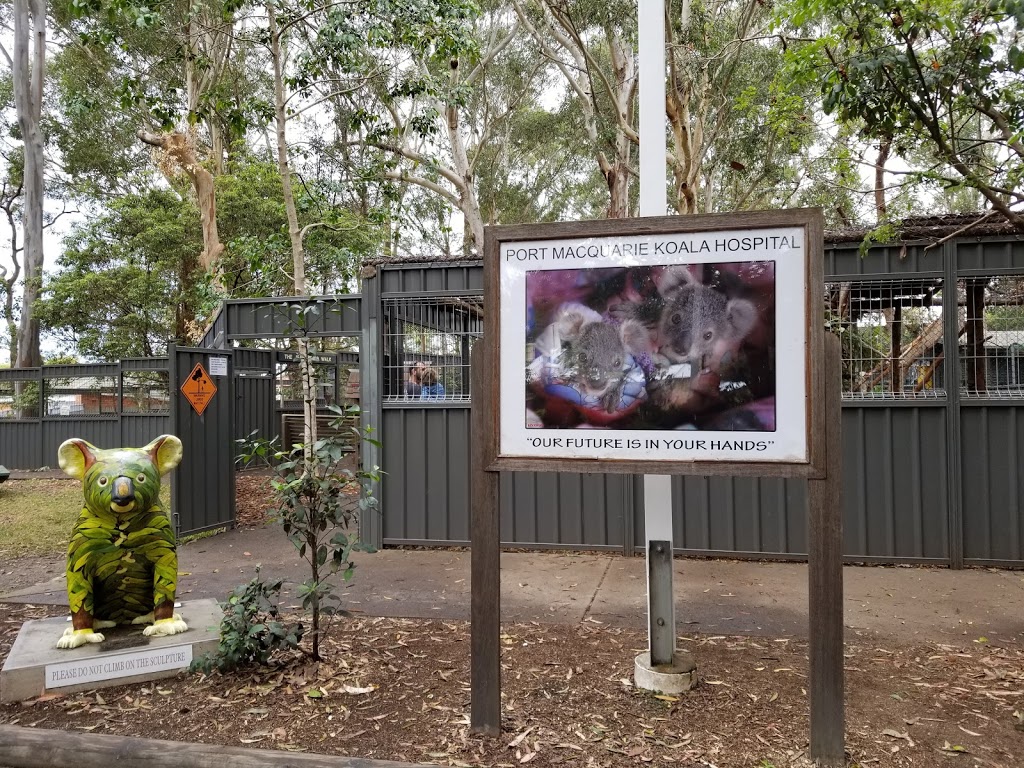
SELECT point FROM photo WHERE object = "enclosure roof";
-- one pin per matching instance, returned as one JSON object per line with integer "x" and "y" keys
{"x": 934, "y": 228}
{"x": 914, "y": 228}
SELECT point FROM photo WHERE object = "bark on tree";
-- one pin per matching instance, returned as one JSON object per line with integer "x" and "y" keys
{"x": 8, "y": 200}
{"x": 306, "y": 370}
{"x": 884, "y": 147}
{"x": 179, "y": 148}
{"x": 559, "y": 32}
{"x": 28, "y": 67}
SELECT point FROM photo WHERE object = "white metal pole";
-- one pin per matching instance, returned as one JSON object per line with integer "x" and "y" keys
{"x": 653, "y": 202}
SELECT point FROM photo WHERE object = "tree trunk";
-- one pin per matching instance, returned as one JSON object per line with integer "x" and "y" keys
{"x": 306, "y": 370}
{"x": 474, "y": 220}
{"x": 7, "y": 201}
{"x": 180, "y": 149}
{"x": 30, "y": 44}
{"x": 883, "y": 157}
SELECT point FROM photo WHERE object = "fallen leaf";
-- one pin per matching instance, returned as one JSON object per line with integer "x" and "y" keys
{"x": 358, "y": 691}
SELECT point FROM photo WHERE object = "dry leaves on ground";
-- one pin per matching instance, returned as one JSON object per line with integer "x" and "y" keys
{"x": 399, "y": 689}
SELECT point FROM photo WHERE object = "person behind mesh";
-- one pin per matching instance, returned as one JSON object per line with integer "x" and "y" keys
{"x": 430, "y": 387}
{"x": 413, "y": 385}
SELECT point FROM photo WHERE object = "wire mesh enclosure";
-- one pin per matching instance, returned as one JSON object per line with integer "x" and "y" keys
{"x": 892, "y": 337}
{"x": 991, "y": 336}
{"x": 427, "y": 340}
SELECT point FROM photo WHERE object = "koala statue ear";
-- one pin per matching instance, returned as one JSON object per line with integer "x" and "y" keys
{"x": 165, "y": 452}
{"x": 742, "y": 315}
{"x": 75, "y": 456}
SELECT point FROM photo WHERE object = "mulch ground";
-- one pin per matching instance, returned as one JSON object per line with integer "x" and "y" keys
{"x": 400, "y": 690}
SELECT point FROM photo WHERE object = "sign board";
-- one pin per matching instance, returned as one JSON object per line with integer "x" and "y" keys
{"x": 96, "y": 668}
{"x": 669, "y": 345}
{"x": 218, "y": 366}
{"x": 199, "y": 389}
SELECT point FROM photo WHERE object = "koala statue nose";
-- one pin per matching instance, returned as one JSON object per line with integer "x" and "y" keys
{"x": 124, "y": 491}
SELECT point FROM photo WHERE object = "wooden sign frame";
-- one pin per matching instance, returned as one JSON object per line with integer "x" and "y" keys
{"x": 809, "y": 220}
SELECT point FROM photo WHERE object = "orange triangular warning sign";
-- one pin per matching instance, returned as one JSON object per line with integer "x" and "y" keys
{"x": 199, "y": 388}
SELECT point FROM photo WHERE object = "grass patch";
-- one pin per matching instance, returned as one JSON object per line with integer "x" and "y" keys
{"x": 36, "y": 516}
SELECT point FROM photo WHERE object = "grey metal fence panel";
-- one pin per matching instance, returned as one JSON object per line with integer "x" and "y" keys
{"x": 418, "y": 278}
{"x": 991, "y": 450}
{"x": 103, "y": 433}
{"x": 202, "y": 487}
{"x": 138, "y": 430}
{"x": 894, "y": 488}
{"x": 265, "y": 318}
{"x": 254, "y": 394}
{"x": 425, "y": 491}
{"x": 561, "y": 509}
{"x": 990, "y": 254}
{"x": 21, "y": 445}
{"x": 743, "y": 515}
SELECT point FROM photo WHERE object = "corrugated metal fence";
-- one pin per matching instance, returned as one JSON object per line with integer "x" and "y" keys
{"x": 930, "y": 463}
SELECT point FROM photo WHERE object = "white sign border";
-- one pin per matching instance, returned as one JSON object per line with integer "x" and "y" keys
{"x": 808, "y": 221}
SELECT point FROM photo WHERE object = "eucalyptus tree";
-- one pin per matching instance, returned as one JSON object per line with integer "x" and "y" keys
{"x": 27, "y": 60}
{"x": 123, "y": 286}
{"x": 183, "y": 73}
{"x": 740, "y": 132}
{"x": 402, "y": 77}
{"x": 592, "y": 45}
{"x": 936, "y": 84}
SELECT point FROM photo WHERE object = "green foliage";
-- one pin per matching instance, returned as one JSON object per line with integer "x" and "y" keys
{"x": 253, "y": 225}
{"x": 941, "y": 81}
{"x": 315, "y": 511}
{"x": 251, "y": 631}
{"x": 128, "y": 280}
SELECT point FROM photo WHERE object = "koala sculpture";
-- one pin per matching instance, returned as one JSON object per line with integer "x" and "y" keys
{"x": 122, "y": 564}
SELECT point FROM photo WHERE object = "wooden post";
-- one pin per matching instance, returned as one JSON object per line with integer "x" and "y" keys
{"x": 825, "y": 540}
{"x": 975, "y": 352}
{"x": 42, "y": 748}
{"x": 896, "y": 330}
{"x": 485, "y": 558}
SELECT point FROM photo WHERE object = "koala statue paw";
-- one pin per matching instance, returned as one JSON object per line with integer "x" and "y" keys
{"x": 103, "y": 624}
{"x": 72, "y": 638}
{"x": 162, "y": 627}
{"x": 147, "y": 619}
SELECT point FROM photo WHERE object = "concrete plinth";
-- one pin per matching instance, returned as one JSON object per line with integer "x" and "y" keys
{"x": 36, "y": 666}
{"x": 677, "y": 677}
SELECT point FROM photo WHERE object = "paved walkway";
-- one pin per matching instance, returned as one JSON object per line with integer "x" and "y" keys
{"x": 712, "y": 596}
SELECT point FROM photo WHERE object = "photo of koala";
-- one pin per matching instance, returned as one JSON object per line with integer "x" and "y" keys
{"x": 122, "y": 563}
{"x": 693, "y": 346}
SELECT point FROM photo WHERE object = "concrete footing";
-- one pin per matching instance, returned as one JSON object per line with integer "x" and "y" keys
{"x": 677, "y": 677}
{"x": 36, "y": 666}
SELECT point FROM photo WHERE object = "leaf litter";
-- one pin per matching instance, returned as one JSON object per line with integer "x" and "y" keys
{"x": 399, "y": 689}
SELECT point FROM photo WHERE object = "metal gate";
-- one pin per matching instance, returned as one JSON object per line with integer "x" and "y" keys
{"x": 203, "y": 486}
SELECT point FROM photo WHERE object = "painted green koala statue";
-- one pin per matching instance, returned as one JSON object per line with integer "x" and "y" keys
{"x": 122, "y": 564}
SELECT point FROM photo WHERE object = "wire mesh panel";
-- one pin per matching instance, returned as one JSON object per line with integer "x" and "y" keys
{"x": 892, "y": 337}
{"x": 146, "y": 392}
{"x": 991, "y": 329}
{"x": 426, "y": 347}
{"x": 80, "y": 396}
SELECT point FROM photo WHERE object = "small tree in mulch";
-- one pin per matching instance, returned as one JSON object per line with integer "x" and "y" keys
{"x": 314, "y": 504}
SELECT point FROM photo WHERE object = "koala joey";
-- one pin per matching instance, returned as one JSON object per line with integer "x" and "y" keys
{"x": 699, "y": 324}
{"x": 588, "y": 352}
{"x": 692, "y": 323}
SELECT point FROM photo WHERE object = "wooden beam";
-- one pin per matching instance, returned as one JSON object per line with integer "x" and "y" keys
{"x": 825, "y": 570}
{"x": 485, "y": 558}
{"x": 42, "y": 748}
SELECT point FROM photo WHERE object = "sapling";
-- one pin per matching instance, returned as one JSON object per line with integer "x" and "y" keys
{"x": 315, "y": 511}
